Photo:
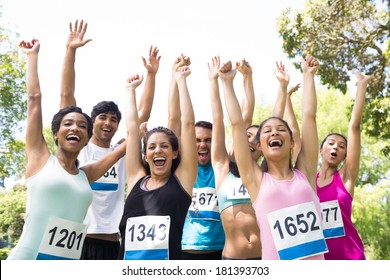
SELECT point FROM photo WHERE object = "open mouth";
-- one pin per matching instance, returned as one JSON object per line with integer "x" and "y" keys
{"x": 159, "y": 161}
{"x": 203, "y": 155}
{"x": 73, "y": 137}
{"x": 275, "y": 143}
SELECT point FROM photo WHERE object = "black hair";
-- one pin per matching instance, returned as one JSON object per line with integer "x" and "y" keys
{"x": 204, "y": 124}
{"x": 106, "y": 107}
{"x": 57, "y": 119}
{"x": 330, "y": 134}
{"x": 173, "y": 140}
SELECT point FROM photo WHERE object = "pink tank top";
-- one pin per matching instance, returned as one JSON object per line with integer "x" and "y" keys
{"x": 288, "y": 214}
{"x": 349, "y": 246}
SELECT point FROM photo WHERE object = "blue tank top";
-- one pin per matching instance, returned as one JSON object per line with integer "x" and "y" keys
{"x": 203, "y": 227}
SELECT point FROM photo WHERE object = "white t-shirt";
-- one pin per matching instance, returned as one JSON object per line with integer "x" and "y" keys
{"x": 105, "y": 212}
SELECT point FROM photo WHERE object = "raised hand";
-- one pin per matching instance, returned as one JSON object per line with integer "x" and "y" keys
{"x": 282, "y": 74}
{"x": 76, "y": 35}
{"x": 30, "y": 47}
{"x": 227, "y": 72}
{"x": 244, "y": 67}
{"x": 134, "y": 81}
{"x": 214, "y": 67}
{"x": 153, "y": 62}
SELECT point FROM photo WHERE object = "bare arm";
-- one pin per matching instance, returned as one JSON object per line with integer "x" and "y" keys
{"x": 174, "y": 110}
{"x": 292, "y": 122}
{"x": 68, "y": 76}
{"x": 350, "y": 169}
{"x": 36, "y": 147}
{"x": 219, "y": 155}
{"x": 284, "y": 78}
{"x": 247, "y": 167}
{"x": 248, "y": 99}
{"x": 187, "y": 170}
{"x": 147, "y": 97}
{"x": 97, "y": 169}
{"x": 308, "y": 156}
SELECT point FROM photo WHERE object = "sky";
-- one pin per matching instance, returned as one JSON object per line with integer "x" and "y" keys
{"x": 123, "y": 30}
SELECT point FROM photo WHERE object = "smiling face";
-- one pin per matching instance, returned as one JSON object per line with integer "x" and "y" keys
{"x": 72, "y": 135}
{"x": 333, "y": 150}
{"x": 104, "y": 128}
{"x": 159, "y": 154}
{"x": 275, "y": 139}
{"x": 253, "y": 143}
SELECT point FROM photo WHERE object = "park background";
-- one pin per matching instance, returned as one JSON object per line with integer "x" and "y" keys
{"x": 123, "y": 31}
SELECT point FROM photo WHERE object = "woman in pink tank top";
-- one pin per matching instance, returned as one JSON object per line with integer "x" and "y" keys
{"x": 284, "y": 197}
{"x": 335, "y": 187}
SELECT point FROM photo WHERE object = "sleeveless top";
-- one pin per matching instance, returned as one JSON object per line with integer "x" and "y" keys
{"x": 288, "y": 214}
{"x": 230, "y": 192}
{"x": 106, "y": 210}
{"x": 52, "y": 192}
{"x": 203, "y": 228}
{"x": 168, "y": 200}
{"x": 349, "y": 246}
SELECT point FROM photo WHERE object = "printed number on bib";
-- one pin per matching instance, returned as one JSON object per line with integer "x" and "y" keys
{"x": 62, "y": 240}
{"x": 147, "y": 238}
{"x": 109, "y": 181}
{"x": 297, "y": 231}
{"x": 238, "y": 192}
{"x": 332, "y": 221}
{"x": 204, "y": 204}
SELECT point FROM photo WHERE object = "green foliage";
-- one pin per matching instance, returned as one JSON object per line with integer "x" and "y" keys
{"x": 371, "y": 212}
{"x": 12, "y": 213}
{"x": 13, "y": 106}
{"x": 345, "y": 36}
{"x": 4, "y": 252}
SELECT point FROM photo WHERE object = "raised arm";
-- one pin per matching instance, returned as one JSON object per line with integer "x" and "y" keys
{"x": 187, "y": 170}
{"x": 36, "y": 147}
{"x": 284, "y": 78}
{"x": 350, "y": 170}
{"x": 68, "y": 76}
{"x": 174, "y": 112}
{"x": 147, "y": 97}
{"x": 248, "y": 99}
{"x": 308, "y": 156}
{"x": 242, "y": 154}
{"x": 219, "y": 155}
{"x": 291, "y": 119}
{"x": 134, "y": 167}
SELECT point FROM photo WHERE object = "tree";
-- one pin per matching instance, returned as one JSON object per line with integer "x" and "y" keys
{"x": 346, "y": 36}
{"x": 13, "y": 106}
{"x": 371, "y": 217}
{"x": 12, "y": 213}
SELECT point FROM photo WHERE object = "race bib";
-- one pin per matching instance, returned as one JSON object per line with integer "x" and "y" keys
{"x": 297, "y": 231}
{"x": 62, "y": 240}
{"x": 332, "y": 221}
{"x": 109, "y": 181}
{"x": 237, "y": 189}
{"x": 147, "y": 238}
{"x": 204, "y": 204}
